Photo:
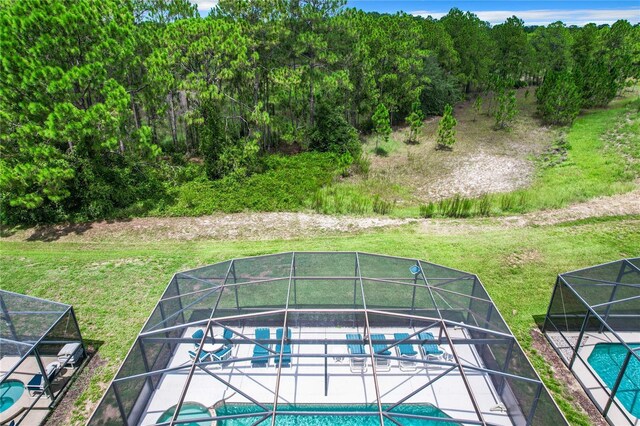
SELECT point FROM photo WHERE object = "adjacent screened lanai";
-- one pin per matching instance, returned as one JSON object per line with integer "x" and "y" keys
{"x": 593, "y": 323}
{"x": 41, "y": 349}
{"x": 326, "y": 338}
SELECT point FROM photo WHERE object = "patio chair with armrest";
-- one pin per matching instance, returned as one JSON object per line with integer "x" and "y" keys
{"x": 357, "y": 364}
{"x": 406, "y": 352}
{"x": 198, "y": 334}
{"x": 203, "y": 357}
{"x": 431, "y": 351}
{"x": 36, "y": 384}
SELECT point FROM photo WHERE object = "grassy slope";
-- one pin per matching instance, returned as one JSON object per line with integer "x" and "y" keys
{"x": 591, "y": 168}
{"x": 114, "y": 286}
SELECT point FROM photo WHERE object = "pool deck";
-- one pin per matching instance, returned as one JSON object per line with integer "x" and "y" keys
{"x": 587, "y": 376}
{"x": 25, "y": 373}
{"x": 304, "y": 381}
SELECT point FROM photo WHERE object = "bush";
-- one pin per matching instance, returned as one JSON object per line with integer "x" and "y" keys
{"x": 286, "y": 184}
{"x": 332, "y": 133}
{"x": 558, "y": 98}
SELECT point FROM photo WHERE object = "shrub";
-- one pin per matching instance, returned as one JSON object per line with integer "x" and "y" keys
{"x": 558, "y": 98}
{"x": 332, "y": 133}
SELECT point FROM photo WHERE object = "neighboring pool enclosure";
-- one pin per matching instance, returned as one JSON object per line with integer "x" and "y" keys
{"x": 41, "y": 349}
{"x": 593, "y": 323}
{"x": 326, "y": 338}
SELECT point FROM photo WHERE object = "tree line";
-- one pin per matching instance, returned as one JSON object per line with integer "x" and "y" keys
{"x": 101, "y": 101}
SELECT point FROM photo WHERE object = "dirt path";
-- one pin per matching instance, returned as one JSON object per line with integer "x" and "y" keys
{"x": 269, "y": 226}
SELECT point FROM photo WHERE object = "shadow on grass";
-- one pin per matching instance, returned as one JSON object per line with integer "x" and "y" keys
{"x": 48, "y": 233}
{"x": 539, "y": 320}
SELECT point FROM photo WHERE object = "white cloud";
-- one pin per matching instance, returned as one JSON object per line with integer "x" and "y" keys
{"x": 205, "y": 5}
{"x": 543, "y": 17}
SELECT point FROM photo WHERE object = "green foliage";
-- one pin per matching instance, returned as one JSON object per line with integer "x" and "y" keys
{"x": 506, "y": 107}
{"x": 332, "y": 133}
{"x": 446, "y": 136}
{"x": 428, "y": 210}
{"x": 513, "y": 51}
{"x": 558, "y": 98}
{"x": 83, "y": 82}
{"x": 285, "y": 184}
{"x": 473, "y": 43}
{"x": 415, "y": 120}
{"x": 382, "y": 206}
{"x": 381, "y": 123}
{"x": 477, "y": 107}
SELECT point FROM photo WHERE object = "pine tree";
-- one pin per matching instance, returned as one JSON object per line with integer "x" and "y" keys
{"x": 506, "y": 108}
{"x": 415, "y": 120}
{"x": 381, "y": 124}
{"x": 446, "y": 129}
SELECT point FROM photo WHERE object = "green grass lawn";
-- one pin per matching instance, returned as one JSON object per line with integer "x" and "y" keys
{"x": 113, "y": 286}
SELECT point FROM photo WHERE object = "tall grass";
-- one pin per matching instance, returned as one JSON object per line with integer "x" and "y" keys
{"x": 338, "y": 199}
{"x": 459, "y": 206}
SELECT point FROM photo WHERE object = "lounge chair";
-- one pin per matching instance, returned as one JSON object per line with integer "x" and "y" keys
{"x": 260, "y": 353}
{"x": 382, "y": 364}
{"x": 431, "y": 351}
{"x": 204, "y": 356}
{"x": 406, "y": 352}
{"x": 357, "y": 364}
{"x": 36, "y": 384}
{"x": 286, "y": 349}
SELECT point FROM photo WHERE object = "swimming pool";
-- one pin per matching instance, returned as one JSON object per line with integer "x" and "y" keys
{"x": 606, "y": 360}
{"x": 324, "y": 419}
{"x": 10, "y": 392}
{"x": 189, "y": 410}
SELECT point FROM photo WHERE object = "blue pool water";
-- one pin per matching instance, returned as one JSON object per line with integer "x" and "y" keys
{"x": 189, "y": 410}
{"x": 607, "y": 359}
{"x": 324, "y": 419}
{"x": 10, "y": 392}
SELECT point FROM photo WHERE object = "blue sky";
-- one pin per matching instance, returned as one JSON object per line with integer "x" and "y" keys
{"x": 532, "y": 12}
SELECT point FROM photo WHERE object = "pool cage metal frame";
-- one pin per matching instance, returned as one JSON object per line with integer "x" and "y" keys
{"x": 601, "y": 299}
{"x": 486, "y": 328}
{"x": 23, "y": 335}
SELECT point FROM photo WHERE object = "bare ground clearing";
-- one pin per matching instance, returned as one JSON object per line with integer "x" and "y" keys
{"x": 269, "y": 226}
{"x": 483, "y": 160}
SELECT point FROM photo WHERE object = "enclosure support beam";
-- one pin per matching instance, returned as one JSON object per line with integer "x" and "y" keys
{"x": 534, "y": 405}
{"x": 623, "y": 370}
{"x": 580, "y": 337}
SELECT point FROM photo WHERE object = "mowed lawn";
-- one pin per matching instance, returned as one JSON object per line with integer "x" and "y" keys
{"x": 114, "y": 285}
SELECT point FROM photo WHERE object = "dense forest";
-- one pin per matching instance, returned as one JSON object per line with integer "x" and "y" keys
{"x": 114, "y": 107}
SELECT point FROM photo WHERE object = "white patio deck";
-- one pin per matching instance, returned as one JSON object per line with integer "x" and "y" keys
{"x": 304, "y": 381}
{"x": 25, "y": 373}
{"x": 589, "y": 378}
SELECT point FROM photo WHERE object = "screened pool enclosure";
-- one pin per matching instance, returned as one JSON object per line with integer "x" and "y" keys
{"x": 326, "y": 338}
{"x": 593, "y": 323}
{"x": 41, "y": 349}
